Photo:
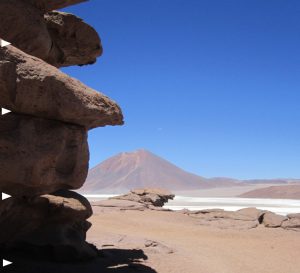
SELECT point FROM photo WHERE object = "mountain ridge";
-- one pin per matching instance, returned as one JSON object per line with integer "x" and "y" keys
{"x": 143, "y": 169}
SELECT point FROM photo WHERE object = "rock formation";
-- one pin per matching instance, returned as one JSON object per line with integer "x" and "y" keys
{"x": 43, "y": 141}
{"x": 149, "y": 197}
{"x": 247, "y": 218}
{"x": 139, "y": 199}
{"x": 243, "y": 219}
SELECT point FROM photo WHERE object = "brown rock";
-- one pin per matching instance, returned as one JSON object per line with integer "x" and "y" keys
{"x": 23, "y": 25}
{"x": 157, "y": 247}
{"x": 48, "y": 5}
{"x": 78, "y": 42}
{"x": 294, "y": 215}
{"x": 58, "y": 38}
{"x": 250, "y": 214}
{"x": 57, "y": 222}
{"x": 40, "y": 156}
{"x": 149, "y": 197}
{"x": 120, "y": 204}
{"x": 30, "y": 86}
{"x": 247, "y": 218}
{"x": 273, "y": 220}
{"x": 292, "y": 224}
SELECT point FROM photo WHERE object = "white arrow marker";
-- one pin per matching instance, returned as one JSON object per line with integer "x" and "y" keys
{"x": 5, "y": 196}
{"x": 5, "y": 263}
{"x": 4, "y": 43}
{"x": 4, "y": 111}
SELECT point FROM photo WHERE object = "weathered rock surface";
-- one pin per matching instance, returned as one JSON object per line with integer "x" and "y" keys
{"x": 293, "y": 223}
{"x": 242, "y": 219}
{"x": 48, "y": 5}
{"x": 78, "y": 42}
{"x": 40, "y": 156}
{"x": 155, "y": 197}
{"x": 140, "y": 199}
{"x": 273, "y": 220}
{"x": 119, "y": 204}
{"x": 43, "y": 141}
{"x": 58, "y": 38}
{"x": 55, "y": 223}
{"x": 30, "y": 86}
{"x": 294, "y": 215}
{"x": 23, "y": 25}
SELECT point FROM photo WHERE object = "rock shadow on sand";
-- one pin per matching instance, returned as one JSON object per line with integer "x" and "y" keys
{"x": 108, "y": 261}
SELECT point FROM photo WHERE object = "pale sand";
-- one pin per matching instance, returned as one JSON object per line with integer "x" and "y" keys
{"x": 197, "y": 249}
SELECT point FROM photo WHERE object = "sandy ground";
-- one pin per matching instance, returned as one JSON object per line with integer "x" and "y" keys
{"x": 175, "y": 243}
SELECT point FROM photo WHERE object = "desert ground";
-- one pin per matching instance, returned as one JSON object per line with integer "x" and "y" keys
{"x": 135, "y": 233}
{"x": 175, "y": 243}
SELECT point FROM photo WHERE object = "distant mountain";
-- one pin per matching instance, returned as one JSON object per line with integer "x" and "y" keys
{"x": 267, "y": 181}
{"x": 281, "y": 192}
{"x": 141, "y": 169}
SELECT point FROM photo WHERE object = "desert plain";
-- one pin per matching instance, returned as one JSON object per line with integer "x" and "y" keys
{"x": 173, "y": 242}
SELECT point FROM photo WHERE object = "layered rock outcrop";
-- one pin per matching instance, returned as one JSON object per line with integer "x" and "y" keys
{"x": 139, "y": 199}
{"x": 242, "y": 219}
{"x": 43, "y": 141}
{"x": 247, "y": 218}
{"x": 31, "y": 86}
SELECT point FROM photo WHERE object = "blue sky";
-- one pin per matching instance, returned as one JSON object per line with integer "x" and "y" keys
{"x": 211, "y": 85}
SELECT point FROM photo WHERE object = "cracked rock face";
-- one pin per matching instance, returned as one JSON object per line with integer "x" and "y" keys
{"x": 78, "y": 42}
{"x": 40, "y": 156}
{"x": 59, "y": 38}
{"x": 23, "y": 25}
{"x": 33, "y": 87}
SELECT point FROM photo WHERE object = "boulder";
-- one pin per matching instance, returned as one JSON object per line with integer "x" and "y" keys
{"x": 41, "y": 156}
{"x": 249, "y": 214}
{"x": 140, "y": 199}
{"x": 247, "y": 218}
{"x": 294, "y": 215}
{"x": 119, "y": 204}
{"x": 23, "y": 25}
{"x": 53, "y": 223}
{"x": 30, "y": 86}
{"x": 154, "y": 197}
{"x": 292, "y": 224}
{"x": 273, "y": 220}
{"x": 58, "y": 38}
{"x": 78, "y": 42}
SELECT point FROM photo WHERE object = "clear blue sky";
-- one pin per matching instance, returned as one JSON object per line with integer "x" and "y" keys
{"x": 211, "y": 85}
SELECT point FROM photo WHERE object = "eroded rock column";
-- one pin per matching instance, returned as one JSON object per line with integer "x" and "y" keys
{"x": 43, "y": 141}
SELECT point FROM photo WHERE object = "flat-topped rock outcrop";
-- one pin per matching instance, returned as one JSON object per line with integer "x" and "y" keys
{"x": 247, "y": 218}
{"x": 33, "y": 87}
{"x": 243, "y": 219}
{"x": 139, "y": 199}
